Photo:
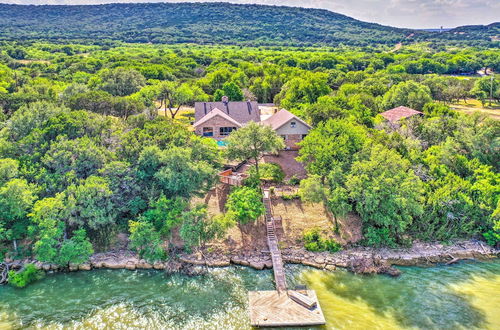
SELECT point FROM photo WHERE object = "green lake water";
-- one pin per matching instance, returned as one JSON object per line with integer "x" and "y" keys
{"x": 461, "y": 296}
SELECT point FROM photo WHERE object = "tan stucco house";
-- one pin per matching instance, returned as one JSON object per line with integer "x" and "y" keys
{"x": 218, "y": 119}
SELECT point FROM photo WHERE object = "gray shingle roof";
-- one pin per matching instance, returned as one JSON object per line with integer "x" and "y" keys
{"x": 242, "y": 112}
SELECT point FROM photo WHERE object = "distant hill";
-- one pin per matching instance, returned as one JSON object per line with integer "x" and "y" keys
{"x": 203, "y": 23}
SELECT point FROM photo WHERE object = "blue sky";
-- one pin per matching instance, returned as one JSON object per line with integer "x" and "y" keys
{"x": 400, "y": 13}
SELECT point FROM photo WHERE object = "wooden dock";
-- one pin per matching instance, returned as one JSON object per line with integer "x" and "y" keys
{"x": 272, "y": 309}
{"x": 283, "y": 307}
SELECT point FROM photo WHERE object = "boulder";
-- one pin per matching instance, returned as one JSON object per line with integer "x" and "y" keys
{"x": 330, "y": 267}
{"x": 223, "y": 262}
{"x": 143, "y": 264}
{"x": 311, "y": 264}
{"x": 158, "y": 265}
{"x": 113, "y": 264}
{"x": 73, "y": 267}
{"x": 256, "y": 265}
{"x": 130, "y": 265}
{"x": 85, "y": 266}
{"x": 268, "y": 264}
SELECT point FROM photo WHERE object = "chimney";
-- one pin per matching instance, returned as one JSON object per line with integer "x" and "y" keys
{"x": 225, "y": 100}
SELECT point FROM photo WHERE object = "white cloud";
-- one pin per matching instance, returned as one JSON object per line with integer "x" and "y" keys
{"x": 401, "y": 13}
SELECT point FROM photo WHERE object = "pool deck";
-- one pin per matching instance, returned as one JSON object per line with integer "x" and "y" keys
{"x": 273, "y": 309}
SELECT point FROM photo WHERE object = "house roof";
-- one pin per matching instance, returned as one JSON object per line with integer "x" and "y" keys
{"x": 242, "y": 112}
{"x": 214, "y": 113}
{"x": 399, "y": 113}
{"x": 282, "y": 117}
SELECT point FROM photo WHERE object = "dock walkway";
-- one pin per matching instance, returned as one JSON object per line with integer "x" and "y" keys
{"x": 283, "y": 307}
{"x": 272, "y": 243}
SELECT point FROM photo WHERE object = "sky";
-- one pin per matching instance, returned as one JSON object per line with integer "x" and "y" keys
{"x": 415, "y": 14}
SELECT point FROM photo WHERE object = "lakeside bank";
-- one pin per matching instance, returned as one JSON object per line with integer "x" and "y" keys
{"x": 357, "y": 259}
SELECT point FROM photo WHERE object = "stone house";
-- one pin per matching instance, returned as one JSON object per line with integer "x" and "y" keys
{"x": 218, "y": 119}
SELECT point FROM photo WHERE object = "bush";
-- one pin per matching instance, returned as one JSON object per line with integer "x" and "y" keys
{"x": 145, "y": 240}
{"x": 294, "y": 180}
{"x": 245, "y": 204}
{"x": 289, "y": 197}
{"x": 271, "y": 172}
{"x": 492, "y": 238}
{"x": 314, "y": 242}
{"x": 379, "y": 237}
{"x": 252, "y": 181}
{"x": 24, "y": 277}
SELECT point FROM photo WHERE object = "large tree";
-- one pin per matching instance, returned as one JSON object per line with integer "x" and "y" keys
{"x": 120, "y": 81}
{"x": 408, "y": 93}
{"x": 252, "y": 142}
{"x": 387, "y": 194}
{"x": 16, "y": 198}
{"x": 245, "y": 204}
{"x": 331, "y": 146}
{"x": 172, "y": 96}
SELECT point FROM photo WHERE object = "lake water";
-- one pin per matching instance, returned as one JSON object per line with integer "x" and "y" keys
{"x": 460, "y": 296}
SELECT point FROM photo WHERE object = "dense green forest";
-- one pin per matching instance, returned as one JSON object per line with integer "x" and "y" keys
{"x": 216, "y": 23}
{"x": 84, "y": 154}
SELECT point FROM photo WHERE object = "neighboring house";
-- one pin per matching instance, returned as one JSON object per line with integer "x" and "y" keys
{"x": 218, "y": 119}
{"x": 396, "y": 114}
{"x": 290, "y": 127}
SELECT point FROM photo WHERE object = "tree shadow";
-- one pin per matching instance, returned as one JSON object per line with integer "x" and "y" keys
{"x": 415, "y": 299}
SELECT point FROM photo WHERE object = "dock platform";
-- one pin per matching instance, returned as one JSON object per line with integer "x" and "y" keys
{"x": 273, "y": 309}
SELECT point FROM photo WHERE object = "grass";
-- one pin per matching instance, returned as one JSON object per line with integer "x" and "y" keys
{"x": 471, "y": 106}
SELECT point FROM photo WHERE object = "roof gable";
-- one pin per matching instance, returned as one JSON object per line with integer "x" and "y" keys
{"x": 216, "y": 113}
{"x": 242, "y": 112}
{"x": 282, "y": 117}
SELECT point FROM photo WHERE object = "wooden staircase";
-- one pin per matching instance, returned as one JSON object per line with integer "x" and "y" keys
{"x": 272, "y": 243}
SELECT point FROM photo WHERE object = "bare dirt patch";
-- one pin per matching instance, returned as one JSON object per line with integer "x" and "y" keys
{"x": 297, "y": 217}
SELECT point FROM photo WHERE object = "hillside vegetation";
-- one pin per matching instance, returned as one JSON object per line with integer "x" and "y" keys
{"x": 85, "y": 157}
{"x": 212, "y": 23}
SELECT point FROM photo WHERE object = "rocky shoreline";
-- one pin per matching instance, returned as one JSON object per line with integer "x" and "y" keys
{"x": 359, "y": 260}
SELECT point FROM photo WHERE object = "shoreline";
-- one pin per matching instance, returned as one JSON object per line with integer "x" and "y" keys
{"x": 361, "y": 260}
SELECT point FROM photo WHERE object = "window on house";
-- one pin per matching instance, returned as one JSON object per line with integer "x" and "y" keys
{"x": 284, "y": 137}
{"x": 293, "y": 124}
{"x": 304, "y": 136}
{"x": 208, "y": 131}
{"x": 224, "y": 131}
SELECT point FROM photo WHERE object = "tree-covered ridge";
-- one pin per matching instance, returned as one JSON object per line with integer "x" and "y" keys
{"x": 205, "y": 23}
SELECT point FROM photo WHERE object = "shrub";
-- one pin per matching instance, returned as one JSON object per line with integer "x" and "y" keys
{"x": 314, "y": 242}
{"x": 146, "y": 241}
{"x": 24, "y": 277}
{"x": 492, "y": 238}
{"x": 245, "y": 204}
{"x": 269, "y": 172}
{"x": 379, "y": 237}
{"x": 289, "y": 197}
{"x": 294, "y": 180}
{"x": 252, "y": 181}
